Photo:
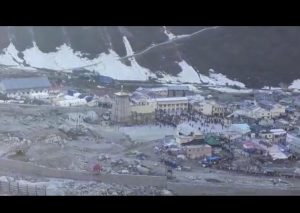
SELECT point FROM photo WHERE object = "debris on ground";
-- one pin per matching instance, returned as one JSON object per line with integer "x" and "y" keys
{"x": 143, "y": 170}
{"x": 166, "y": 192}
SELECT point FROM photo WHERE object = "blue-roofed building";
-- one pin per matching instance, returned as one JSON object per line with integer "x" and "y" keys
{"x": 240, "y": 128}
{"x": 105, "y": 80}
{"x": 29, "y": 87}
{"x": 177, "y": 90}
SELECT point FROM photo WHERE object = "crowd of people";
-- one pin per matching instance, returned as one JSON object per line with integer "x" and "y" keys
{"x": 194, "y": 119}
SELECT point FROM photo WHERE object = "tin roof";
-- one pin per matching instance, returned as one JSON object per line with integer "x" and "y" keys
{"x": 24, "y": 83}
{"x": 177, "y": 87}
{"x": 171, "y": 99}
{"x": 122, "y": 94}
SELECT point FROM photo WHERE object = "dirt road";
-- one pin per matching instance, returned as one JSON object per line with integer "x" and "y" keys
{"x": 24, "y": 168}
{"x": 179, "y": 188}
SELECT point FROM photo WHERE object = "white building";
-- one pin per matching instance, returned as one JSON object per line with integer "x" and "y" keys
{"x": 274, "y": 135}
{"x": 33, "y": 87}
{"x": 205, "y": 108}
{"x": 172, "y": 104}
{"x": 210, "y": 108}
{"x": 277, "y": 110}
{"x": 255, "y": 112}
{"x": 71, "y": 102}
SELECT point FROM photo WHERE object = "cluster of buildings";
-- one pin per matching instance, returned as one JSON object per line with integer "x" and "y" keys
{"x": 209, "y": 107}
{"x": 31, "y": 87}
{"x": 74, "y": 98}
{"x": 253, "y": 123}
{"x": 142, "y": 104}
{"x": 258, "y": 125}
{"x": 263, "y": 110}
{"x": 40, "y": 88}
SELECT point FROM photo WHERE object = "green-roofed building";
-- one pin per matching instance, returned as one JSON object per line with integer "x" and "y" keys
{"x": 212, "y": 140}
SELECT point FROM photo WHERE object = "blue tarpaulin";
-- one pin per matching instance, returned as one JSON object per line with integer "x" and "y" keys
{"x": 71, "y": 92}
{"x": 105, "y": 79}
{"x": 88, "y": 98}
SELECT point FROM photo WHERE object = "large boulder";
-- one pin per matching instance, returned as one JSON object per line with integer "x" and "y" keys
{"x": 143, "y": 170}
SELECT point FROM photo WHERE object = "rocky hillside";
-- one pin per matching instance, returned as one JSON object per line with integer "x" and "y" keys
{"x": 255, "y": 56}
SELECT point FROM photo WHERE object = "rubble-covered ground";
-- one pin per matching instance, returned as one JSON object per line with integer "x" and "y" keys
{"x": 50, "y": 137}
{"x": 46, "y": 136}
{"x": 55, "y": 186}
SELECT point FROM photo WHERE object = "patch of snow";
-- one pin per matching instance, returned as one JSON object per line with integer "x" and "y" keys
{"x": 25, "y": 182}
{"x": 138, "y": 70}
{"x": 205, "y": 79}
{"x": 170, "y": 35}
{"x": 231, "y": 90}
{"x": 222, "y": 80}
{"x": 195, "y": 98}
{"x": 4, "y": 179}
{"x": 295, "y": 84}
{"x": 188, "y": 74}
{"x": 65, "y": 59}
{"x": 182, "y": 36}
{"x": 270, "y": 88}
{"x": 10, "y": 57}
{"x": 192, "y": 87}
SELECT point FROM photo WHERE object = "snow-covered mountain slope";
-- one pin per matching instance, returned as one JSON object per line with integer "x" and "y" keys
{"x": 255, "y": 56}
{"x": 65, "y": 59}
{"x": 295, "y": 84}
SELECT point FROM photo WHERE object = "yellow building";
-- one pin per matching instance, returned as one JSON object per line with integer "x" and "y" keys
{"x": 173, "y": 104}
{"x": 144, "y": 107}
{"x": 198, "y": 151}
{"x": 218, "y": 110}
